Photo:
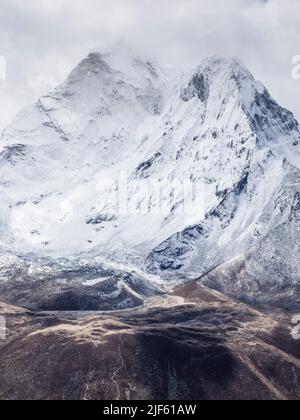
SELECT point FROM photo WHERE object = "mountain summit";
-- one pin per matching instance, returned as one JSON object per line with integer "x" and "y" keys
{"x": 120, "y": 117}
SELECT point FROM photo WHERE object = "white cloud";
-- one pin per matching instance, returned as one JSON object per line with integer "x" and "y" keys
{"x": 42, "y": 41}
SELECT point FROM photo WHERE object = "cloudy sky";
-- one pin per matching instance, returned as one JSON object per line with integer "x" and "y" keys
{"x": 43, "y": 40}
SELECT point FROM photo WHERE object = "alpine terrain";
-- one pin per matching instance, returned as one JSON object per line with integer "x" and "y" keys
{"x": 119, "y": 124}
{"x": 150, "y": 237}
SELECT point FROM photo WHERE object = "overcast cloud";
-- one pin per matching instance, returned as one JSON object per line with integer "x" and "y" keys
{"x": 43, "y": 40}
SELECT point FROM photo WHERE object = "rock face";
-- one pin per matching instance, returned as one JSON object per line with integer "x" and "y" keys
{"x": 64, "y": 163}
{"x": 94, "y": 216}
{"x": 71, "y": 285}
{"x": 192, "y": 344}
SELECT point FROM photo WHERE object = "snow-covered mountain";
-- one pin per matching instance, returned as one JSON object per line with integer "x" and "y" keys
{"x": 122, "y": 121}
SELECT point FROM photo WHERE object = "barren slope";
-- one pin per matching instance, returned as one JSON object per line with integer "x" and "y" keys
{"x": 193, "y": 344}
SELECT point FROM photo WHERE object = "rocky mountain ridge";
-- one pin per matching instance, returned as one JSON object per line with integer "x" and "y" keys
{"x": 116, "y": 117}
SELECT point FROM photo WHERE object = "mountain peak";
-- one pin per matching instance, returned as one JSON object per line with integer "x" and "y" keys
{"x": 221, "y": 80}
{"x": 118, "y": 59}
{"x": 226, "y": 69}
{"x": 227, "y": 76}
{"x": 93, "y": 62}
{"x": 217, "y": 63}
{"x": 118, "y": 112}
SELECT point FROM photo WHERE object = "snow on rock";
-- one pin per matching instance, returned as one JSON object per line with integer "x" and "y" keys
{"x": 118, "y": 118}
